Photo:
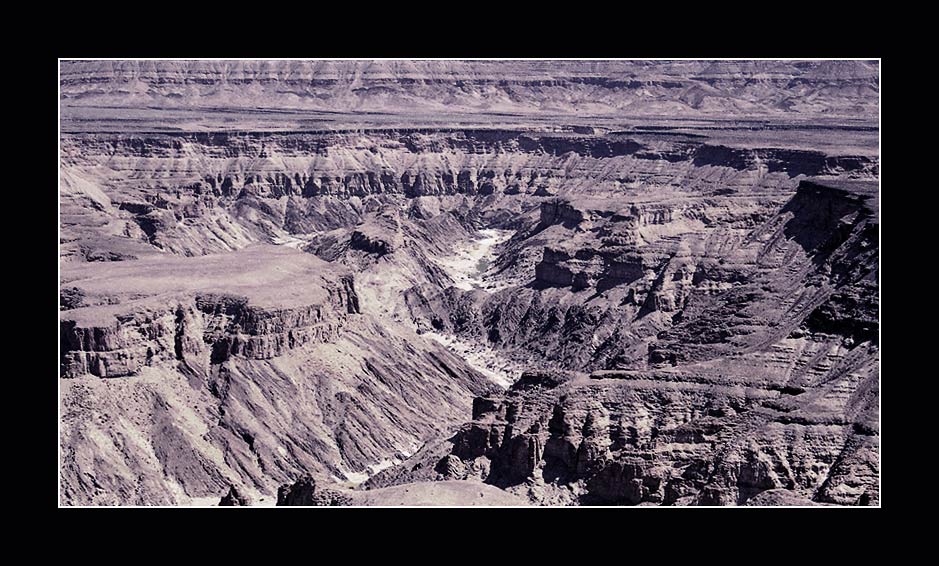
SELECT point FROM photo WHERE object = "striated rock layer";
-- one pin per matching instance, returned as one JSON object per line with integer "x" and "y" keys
{"x": 242, "y": 370}
{"x": 646, "y": 88}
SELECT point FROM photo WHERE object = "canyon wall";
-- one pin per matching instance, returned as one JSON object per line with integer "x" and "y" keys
{"x": 769, "y": 384}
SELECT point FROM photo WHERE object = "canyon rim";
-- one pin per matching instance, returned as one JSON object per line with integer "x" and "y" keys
{"x": 469, "y": 282}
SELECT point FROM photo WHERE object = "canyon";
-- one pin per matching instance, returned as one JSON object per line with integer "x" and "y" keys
{"x": 469, "y": 283}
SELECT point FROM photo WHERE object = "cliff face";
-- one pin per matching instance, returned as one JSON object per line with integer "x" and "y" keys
{"x": 243, "y": 369}
{"x": 195, "y": 194}
{"x": 669, "y": 438}
{"x": 226, "y": 324}
{"x": 665, "y": 283}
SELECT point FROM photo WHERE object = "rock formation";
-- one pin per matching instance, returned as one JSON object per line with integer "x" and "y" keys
{"x": 304, "y": 493}
{"x": 233, "y": 498}
{"x": 299, "y": 493}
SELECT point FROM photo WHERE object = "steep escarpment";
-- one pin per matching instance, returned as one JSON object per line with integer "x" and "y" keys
{"x": 140, "y": 313}
{"x": 816, "y": 254}
{"x": 676, "y": 437}
{"x": 242, "y": 369}
{"x": 646, "y": 284}
{"x": 766, "y": 381}
{"x": 193, "y": 194}
{"x": 665, "y": 439}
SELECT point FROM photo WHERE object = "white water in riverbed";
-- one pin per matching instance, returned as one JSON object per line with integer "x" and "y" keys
{"x": 472, "y": 267}
{"x": 290, "y": 241}
{"x": 483, "y": 359}
{"x": 355, "y": 478}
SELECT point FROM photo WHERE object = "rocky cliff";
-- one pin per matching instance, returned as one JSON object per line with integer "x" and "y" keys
{"x": 240, "y": 369}
{"x": 194, "y": 194}
{"x": 668, "y": 438}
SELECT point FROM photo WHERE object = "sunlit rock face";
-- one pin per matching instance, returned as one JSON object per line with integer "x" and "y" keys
{"x": 522, "y": 282}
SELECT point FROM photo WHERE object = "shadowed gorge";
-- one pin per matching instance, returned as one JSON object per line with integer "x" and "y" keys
{"x": 469, "y": 283}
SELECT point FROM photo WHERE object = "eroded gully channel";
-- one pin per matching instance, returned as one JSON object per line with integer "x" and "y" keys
{"x": 471, "y": 268}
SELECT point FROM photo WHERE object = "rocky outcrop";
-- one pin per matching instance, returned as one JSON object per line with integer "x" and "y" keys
{"x": 652, "y": 439}
{"x": 777, "y": 497}
{"x": 233, "y": 498}
{"x": 558, "y": 211}
{"x": 587, "y": 268}
{"x": 300, "y": 493}
{"x": 819, "y": 257}
{"x": 304, "y": 493}
{"x": 266, "y": 352}
{"x": 226, "y": 325}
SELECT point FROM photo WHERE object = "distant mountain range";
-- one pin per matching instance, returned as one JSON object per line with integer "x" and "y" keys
{"x": 706, "y": 88}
